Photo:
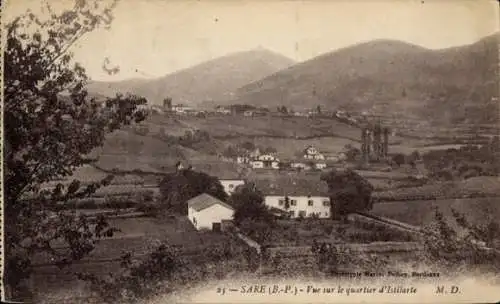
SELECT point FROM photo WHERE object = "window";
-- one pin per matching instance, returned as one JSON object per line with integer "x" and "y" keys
{"x": 231, "y": 186}
{"x": 302, "y": 213}
{"x": 310, "y": 202}
{"x": 327, "y": 213}
{"x": 292, "y": 213}
{"x": 326, "y": 203}
{"x": 281, "y": 202}
{"x": 293, "y": 202}
{"x": 194, "y": 220}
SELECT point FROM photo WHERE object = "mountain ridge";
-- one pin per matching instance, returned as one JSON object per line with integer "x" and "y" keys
{"x": 381, "y": 73}
{"x": 210, "y": 80}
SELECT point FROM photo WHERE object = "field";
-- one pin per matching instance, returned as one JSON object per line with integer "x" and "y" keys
{"x": 482, "y": 186}
{"x": 138, "y": 236}
{"x": 287, "y": 148}
{"x": 290, "y": 233}
{"x": 420, "y": 213}
{"x": 274, "y": 126}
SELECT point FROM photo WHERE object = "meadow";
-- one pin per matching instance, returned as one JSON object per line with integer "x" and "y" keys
{"x": 138, "y": 236}
{"x": 421, "y": 212}
{"x": 481, "y": 186}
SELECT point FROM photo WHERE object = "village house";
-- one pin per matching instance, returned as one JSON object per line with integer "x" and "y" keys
{"x": 267, "y": 160}
{"x": 312, "y": 153}
{"x": 242, "y": 159}
{"x": 298, "y": 197}
{"x": 230, "y": 184}
{"x": 300, "y": 114}
{"x": 248, "y": 113}
{"x": 223, "y": 110}
{"x": 298, "y": 165}
{"x": 181, "y": 109}
{"x": 320, "y": 165}
{"x": 256, "y": 164}
{"x": 208, "y": 212}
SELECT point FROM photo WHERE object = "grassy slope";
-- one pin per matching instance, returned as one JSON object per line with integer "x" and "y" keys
{"x": 476, "y": 186}
{"x": 477, "y": 210}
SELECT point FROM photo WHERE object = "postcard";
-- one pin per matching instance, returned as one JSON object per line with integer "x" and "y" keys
{"x": 252, "y": 151}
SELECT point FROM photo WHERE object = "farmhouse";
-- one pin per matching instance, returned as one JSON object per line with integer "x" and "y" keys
{"x": 242, "y": 159}
{"x": 320, "y": 165}
{"x": 257, "y": 164}
{"x": 231, "y": 184}
{"x": 267, "y": 160}
{"x": 312, "y": 153}
{"x": 223, "y": 110}
{"x": 181, "y": 109}
{"x": 208, "y": 212}
{"x": 299, "y": 197}
{"x": 300, "y": 165}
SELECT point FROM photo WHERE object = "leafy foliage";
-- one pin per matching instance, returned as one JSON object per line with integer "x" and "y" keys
{"x": 332, "y": 260}
{"x": 51, "y": 124}
{"x": 463, "y": 163}
{"x": 167, "y": 268}
{"x": 248, "y": 202}
{"x": 178, "y": 187}
{"x": 349, "y": 191}
{"x": 472, "y": 248}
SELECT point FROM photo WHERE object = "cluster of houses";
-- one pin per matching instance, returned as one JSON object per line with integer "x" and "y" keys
{"x": 183, "y": 109}
{"x": 285, "y": 196}
{"x": 311, "y": 159}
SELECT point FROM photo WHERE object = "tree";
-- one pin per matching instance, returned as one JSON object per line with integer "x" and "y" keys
{"x": 177, "y": 188}
{"x": 230, "y": 152}
{"x": 282, "y": 110}
{"x": 351, "y": 152}
{"x": 248, "y": 202}
{"x": 287, "y": 203}
{"x": 399, "y": 159}
{"x": 472, "y": 248}
{"x": 349, "y": 192}
{"x": 167, "y": 103}
{"x": 248, "y": 145}
{"x": 51, "y": 124}
{"x": 415, "y": 156}
{"x": 270, "y": 150}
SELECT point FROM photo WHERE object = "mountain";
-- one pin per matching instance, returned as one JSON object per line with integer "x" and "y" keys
{"x": 204, "y": 83}
{"x": 449, "y": 85}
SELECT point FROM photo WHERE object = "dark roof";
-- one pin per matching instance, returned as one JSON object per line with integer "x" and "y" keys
{"x": 291, "y": 185}
{"x": 204, "y": 201}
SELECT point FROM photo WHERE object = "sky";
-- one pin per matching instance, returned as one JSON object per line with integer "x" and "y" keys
{"x": 152, "y": 38}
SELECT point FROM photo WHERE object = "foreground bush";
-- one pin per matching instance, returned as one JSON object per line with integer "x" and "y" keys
{"x": 471, "y": 250}
{"x": 167, "y": 268}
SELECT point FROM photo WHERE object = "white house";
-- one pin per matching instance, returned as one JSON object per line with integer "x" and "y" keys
{"x": 300, "y": 165}
{"x": 206, "y": 211}
{"x": 257, "y": 164}
{"x": 223, "y": 110}
{"x": 320, "y": 165}
{"x": 312, "y": 153}
{"x": 269, "y": 160}
{"x": 242, "y": 159}
{"x": 181, "y": 109}
{"x": 300, "y": 198}
{"x": 231, "y": 184}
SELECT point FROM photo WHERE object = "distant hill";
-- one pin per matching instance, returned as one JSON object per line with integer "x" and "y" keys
{"x": 213, "y": 80}
{"x": 454, "y": 85}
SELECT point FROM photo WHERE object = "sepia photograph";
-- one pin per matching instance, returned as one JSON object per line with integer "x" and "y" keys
{"x": 249, "y": 151}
